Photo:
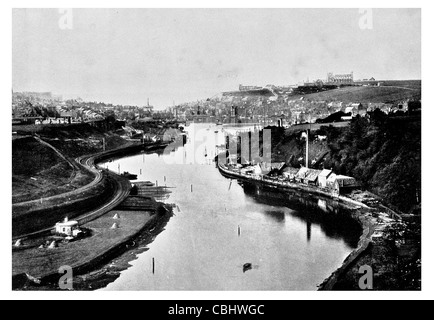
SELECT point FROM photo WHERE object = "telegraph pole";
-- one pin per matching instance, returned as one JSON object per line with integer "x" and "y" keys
{"x": 307, "y": 142}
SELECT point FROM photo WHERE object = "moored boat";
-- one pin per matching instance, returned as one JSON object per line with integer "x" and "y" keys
{"x": 128, "y": 175}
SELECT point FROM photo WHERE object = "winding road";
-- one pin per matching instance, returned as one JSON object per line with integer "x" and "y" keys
{"x": 121, "y": 190}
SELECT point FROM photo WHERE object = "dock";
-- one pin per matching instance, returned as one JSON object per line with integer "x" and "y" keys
{"x": 138, "y": 203}
{"x": 149, "y": 189}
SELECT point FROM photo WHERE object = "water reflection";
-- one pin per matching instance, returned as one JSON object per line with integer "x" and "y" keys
{"x": 331, "y": 217}
{"x": 278, "y": 216}
{"x": 309, "y": 230}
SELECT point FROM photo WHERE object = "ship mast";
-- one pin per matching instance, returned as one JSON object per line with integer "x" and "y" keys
{"x": 307, "y": 148}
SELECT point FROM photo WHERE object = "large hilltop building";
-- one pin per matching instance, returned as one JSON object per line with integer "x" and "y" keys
{"x": 340, "y": 78}
{"x": 248, "y": 88}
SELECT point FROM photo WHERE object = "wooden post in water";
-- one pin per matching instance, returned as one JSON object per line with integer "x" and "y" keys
{"x": 309, "y": 230}
{"x": 153, "y": 265}
{"x": 156, "y": 183}
{"x": 239, "y": 230}
{"x": 191, "y": 188}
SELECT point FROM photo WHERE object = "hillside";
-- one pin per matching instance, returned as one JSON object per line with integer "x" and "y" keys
{"x": 262, "y": 92}
{"x": 38, "y": 171}
{"x": 384, "y": 154}
{"x": 387, "y": 94}
{"x": 290, "y": 147}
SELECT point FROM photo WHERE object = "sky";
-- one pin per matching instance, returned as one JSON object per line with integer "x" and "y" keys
{"x": 125, "y": 56}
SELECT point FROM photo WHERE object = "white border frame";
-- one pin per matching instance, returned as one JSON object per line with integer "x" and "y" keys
{"x": 6, "y": 85}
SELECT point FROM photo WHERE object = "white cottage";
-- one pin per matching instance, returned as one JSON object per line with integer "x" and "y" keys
{"x": 341, "y": 184}
{"x": 69, "y": 228}
{"x": 322, "y": 178}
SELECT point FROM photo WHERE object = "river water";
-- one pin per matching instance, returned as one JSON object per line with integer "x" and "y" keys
{"x": 293, "y": 242}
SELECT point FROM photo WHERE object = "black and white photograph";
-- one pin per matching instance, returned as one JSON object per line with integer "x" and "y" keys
{"x": 215, "y": 149}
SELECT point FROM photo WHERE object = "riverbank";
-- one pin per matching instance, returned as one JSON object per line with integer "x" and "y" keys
{"x": 41, "y": 263}
{"x": 390, "y": 243}
{"x": 288, "y": 185}
{"x": 109, "y": 270}
{"x": 392, "y": 248}
{"x": 84, "y": 255}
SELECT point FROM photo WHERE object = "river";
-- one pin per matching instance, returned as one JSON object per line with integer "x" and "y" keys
{"x": 293, "y": 242}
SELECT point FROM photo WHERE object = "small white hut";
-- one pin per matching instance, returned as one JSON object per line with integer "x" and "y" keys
{"x": 69, "y": 228}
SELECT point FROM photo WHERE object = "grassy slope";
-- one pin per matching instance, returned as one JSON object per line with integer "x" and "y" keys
{"x": 38, "y": 171}
{"x": 386, "y": 94}
{"x": 31, "y": 157}
{"x": 54, "y": 175}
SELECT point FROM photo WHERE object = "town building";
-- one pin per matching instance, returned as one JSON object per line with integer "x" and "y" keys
{"x": 290, "y": 172}
{"x": 311, "y": 176}
{"x": 340, "y": 184}
{"x": 301, "y": 174}
{"x": 322, "y": 178}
